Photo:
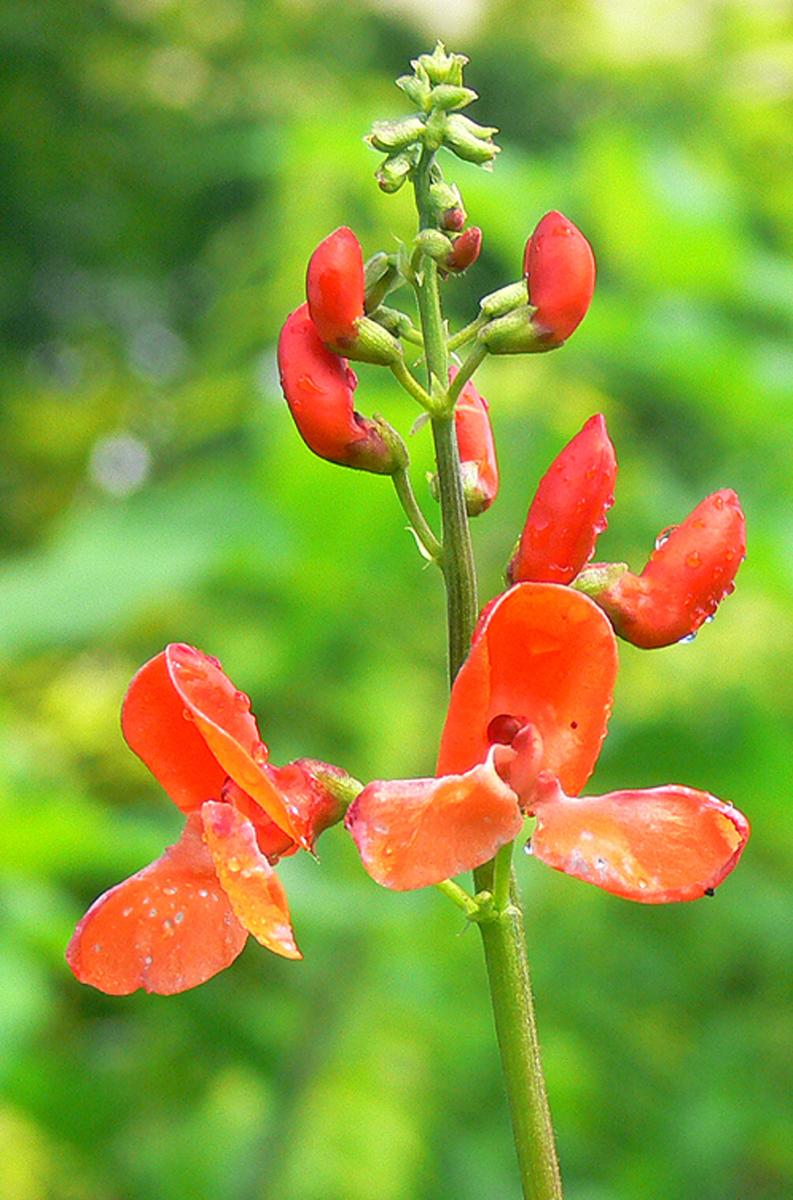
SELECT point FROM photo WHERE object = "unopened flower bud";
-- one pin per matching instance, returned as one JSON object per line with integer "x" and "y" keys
{"x": 465, "y": 251}
{"x": 449, "y": 96}
{"x": 335, "y": 286}
{"x": 569, "y": 509}
{"x": 560, "y": 271}
{"x": 477, "y": 448}
{"x": 380, "y": 276}
{"x": 394, "y": 170}
{"x": 319, "y": 388}
{"x": 691, "y": 570}
{"x": 434, "y": 243}
{"x": 440, "y": 67}
{"x": 389, "y": 136}
{"x": 470, "y": 141}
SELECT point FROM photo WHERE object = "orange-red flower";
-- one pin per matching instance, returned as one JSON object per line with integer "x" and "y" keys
{"x": 185, "y": 917}
{"x": 477, "y": 448}
{"x": 688, "y": 574}
{"x": 568, "y": 510}
{"x": 527, "y": 716}
{"x": 335, "y": 286}
{"x": 319, "y": 388}
{"x": 560, "y": 271}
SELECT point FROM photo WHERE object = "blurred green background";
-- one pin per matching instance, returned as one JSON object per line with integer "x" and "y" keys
{"x": 168, "y": 166}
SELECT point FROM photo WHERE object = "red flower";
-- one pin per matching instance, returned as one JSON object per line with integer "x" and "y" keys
{"x": 568, "y": 510}
{"x": 526, "y": 720}
{"x": 185, "y": 917}
{"x": 465, "y": 250}
{"x": 319, "y": 389}
{"x": 335, "y": 286}
{"x": 560, "y": 271}
{"x": 689, "y": 573}
{"x": 477, "y": 448}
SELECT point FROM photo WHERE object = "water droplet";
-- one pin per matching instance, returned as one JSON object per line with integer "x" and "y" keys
{"x": 260, "y": 754}
{"x": 167, "y": 925}
{"x": 688, "y": 638}
{"x": 148, "y": 960}
{"x": 710, "y": 891}
{"x": 642, "y": 883}
{"x": 242, "y": 701}
{"x": 664, "y": 536}
{"x": 718, "y": 502}
{"x": 126, "y": 912}
{"x": 179, "y": 917}
{"x": 601, "y": 864}
{"x": 527, "y": 849}
{"x": 187, "y": 714}
{"x": 152, "y": 912}
{"x": 694, "y": 559}
{"x": 169, "y": 891}
{"x": 203, "y": 893}
{"x": 233, "y": 865}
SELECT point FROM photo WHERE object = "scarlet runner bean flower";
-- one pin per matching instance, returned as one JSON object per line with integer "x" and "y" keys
{"x": 560, "y": 271}
{"x": 568, "y": 510}
{"x": 465, "y": 250}
{"x": 335, "y": 286}
{"x": 689, "y": 573}
{"x": 477, "y": 448}
{"x": 527, "y": 716}
{"x": 185, "y": 917}
{"x": 319, "y": 388}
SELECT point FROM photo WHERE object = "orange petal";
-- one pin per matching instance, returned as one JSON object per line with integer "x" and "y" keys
{"x": 252, "y": 886}
{"x": 411, "y": 833}
{"x": 270, "y": 838}
{"x": 656, "y": 845}
{"x": 223, "y": 718}
{"x": 544, "y": 654}
{"x": 166, "y": 929}
{"x": 153, "y": 723}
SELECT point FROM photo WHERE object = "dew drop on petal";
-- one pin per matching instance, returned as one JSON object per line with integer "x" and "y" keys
{"x": 664, "y": 536}
{"x": 694, "y": 559}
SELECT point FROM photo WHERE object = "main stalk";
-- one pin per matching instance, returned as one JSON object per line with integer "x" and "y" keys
{"x": 503, "y": 938}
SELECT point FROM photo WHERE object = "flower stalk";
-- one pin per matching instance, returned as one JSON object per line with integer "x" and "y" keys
{"x": 503, "y": 938}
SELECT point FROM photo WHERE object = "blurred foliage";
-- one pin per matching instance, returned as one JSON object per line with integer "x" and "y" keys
{"x": 167, "y": 167}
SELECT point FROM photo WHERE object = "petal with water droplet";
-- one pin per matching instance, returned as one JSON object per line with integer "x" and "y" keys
{"x": 153, "y": 723}
{"x": 656, "y": 845}
{"x": 252, "y": 886}
{"x": 547, "y": 654}
{"x": 412, "y": 833}
{"x": 222, "y": 716}
{"x": 168, "y": 928}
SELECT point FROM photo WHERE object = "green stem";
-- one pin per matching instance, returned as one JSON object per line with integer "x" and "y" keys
{"x": 516, "y": 1029}
{"x": 418, "y": 521}
{"x": 411, "y": 384}
{"x": 503, "y": 938}
{"x": 458, "y": 557}
{"x": 477, "y": 356}
{"x": 467, "y": 332}
{"x": 459, "y": 896}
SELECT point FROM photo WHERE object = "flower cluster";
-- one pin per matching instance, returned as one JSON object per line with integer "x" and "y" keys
{"x": 529, "y": 706}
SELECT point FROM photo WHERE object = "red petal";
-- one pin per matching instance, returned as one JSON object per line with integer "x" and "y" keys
{"x": 411, "y": 833}
{"x": 270, "y": 838}
{"x": 656, "y": 846}
{"x": 223, "y": 718}
{"x": 547, "y": 655}
{"x": 153, "y": 723}
{"x": 688, "y": 575}
{"x": 166, "y": 929}
{"x": 252, "y": 886}
{"x": 569, "y": 509}
{"x": 335, "y": 286}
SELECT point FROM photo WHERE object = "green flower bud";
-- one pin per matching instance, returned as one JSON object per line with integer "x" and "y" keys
{"x": 441, "y": 67}
{"x": 394, "y": 170}
{"x": 434, "y": 243}
{"x": 447, "y": 96}
{"x": 513, "y": 334}
{"x": 471, "y": 147}
{"x": 380, "y": 276}
{"x": 372, "y": 343}
{"x": 396, "y": 135}
{"x": 417, "y": 90}
{"x": 496, "y": 304}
